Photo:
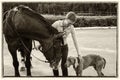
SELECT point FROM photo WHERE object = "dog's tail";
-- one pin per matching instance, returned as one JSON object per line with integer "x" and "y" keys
{"x": 104, "y": 63}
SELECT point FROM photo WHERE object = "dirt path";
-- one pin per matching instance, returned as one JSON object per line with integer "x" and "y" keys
{"x": 102, "y": 42}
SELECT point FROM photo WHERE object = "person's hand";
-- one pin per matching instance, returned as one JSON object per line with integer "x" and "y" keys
{"x": 59, "y": 35}
{"x": 35, "y": 48}
{"x": 39, "y": 47}
{"x": 64, "y": 32}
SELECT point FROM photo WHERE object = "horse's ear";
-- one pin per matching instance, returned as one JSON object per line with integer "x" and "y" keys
{"x": 54, "y": 31}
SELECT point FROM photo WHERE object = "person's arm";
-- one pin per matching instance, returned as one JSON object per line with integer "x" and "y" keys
{"x": 75, "y": 39}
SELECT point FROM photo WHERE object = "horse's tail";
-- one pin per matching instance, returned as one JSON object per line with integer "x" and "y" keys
{"x": 104, "y": 63}
{"x": 4, "y": 15}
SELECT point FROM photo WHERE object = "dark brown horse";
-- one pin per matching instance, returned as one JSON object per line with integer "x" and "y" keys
{"x": 21, "y": 25}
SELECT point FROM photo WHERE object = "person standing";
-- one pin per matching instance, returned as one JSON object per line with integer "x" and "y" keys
{"x": 66, "y": 26}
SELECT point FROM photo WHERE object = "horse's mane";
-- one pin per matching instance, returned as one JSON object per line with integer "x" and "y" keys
{"x": 31, "y": 13}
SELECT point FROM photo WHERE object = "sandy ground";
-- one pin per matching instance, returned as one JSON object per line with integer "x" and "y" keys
{"x": 97, "y": 41}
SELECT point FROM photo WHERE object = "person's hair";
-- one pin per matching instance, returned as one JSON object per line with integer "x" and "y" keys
{"x": 71, "y": 16}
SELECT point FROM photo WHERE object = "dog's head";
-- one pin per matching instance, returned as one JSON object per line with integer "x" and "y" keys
{"x": 70, "y": 61}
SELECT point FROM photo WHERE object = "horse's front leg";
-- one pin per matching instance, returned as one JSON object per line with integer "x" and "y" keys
{"x": 27, "y": 53}
{"x": 22, "y": 68}
{"x": 28, "y": 64}
{"x": 23, "y": 58}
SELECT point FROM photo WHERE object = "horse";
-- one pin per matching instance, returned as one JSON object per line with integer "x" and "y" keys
{"x": 21, "y": 25}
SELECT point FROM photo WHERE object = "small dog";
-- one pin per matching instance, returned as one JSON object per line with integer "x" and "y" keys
{"x": 96, "y": 61}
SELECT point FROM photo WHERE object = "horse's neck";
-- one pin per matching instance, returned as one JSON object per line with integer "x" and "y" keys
{"x": 46, "y": 44}
{"x": 31, "y": 27}
{"x": 40, "y": 18}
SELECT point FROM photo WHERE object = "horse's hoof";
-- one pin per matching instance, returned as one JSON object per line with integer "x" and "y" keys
{"x": 29, "y": 76}
{"x": 31, "y": 67}
{"x": 22, "y": 69}
{"x": 17, "y": 75}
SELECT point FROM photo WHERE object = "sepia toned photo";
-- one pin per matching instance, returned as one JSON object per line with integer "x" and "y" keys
{"x": 60, "y": 39}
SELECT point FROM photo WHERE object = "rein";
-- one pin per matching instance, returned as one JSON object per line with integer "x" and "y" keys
{"x": 32, "y": 54}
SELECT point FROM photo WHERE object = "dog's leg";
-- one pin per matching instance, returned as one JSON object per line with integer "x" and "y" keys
{"x": 98, "y": 67}
{"x": 79, "y": 74}
{"x": 78, "y": 71}
{"x": 99, "y": 71}
{"x": 102, "y": 74}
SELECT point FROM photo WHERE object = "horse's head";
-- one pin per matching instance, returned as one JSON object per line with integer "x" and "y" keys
{"x": 57, "y": 54}
{"x": 52, "y": 52}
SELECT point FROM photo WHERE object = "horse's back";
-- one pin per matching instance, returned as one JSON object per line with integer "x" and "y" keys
{"x": 36, "y": 17}
{"x": 27, "y": 22}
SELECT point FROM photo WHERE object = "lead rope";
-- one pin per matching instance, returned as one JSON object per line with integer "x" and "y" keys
{"x": 33, "y": 54}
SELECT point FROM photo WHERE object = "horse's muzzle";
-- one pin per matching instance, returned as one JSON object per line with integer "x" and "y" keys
{"x": 54, "y": 64}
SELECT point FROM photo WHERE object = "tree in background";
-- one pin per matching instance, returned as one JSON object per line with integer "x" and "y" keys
{"x": 62, "y": 8}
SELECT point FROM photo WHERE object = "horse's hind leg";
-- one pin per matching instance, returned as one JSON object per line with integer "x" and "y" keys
{"x": 28, "y": 49}
{"x": 15, "y": 60}
{"x": 22, "y": 68}
{"x": 28, "y": 64}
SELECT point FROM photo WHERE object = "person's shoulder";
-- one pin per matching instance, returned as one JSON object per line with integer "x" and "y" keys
{"x": 72, "y": 26}
{"x": 58, "y": 21}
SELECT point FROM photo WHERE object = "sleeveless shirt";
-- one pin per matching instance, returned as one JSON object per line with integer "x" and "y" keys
{"x": 61, "y": 28}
